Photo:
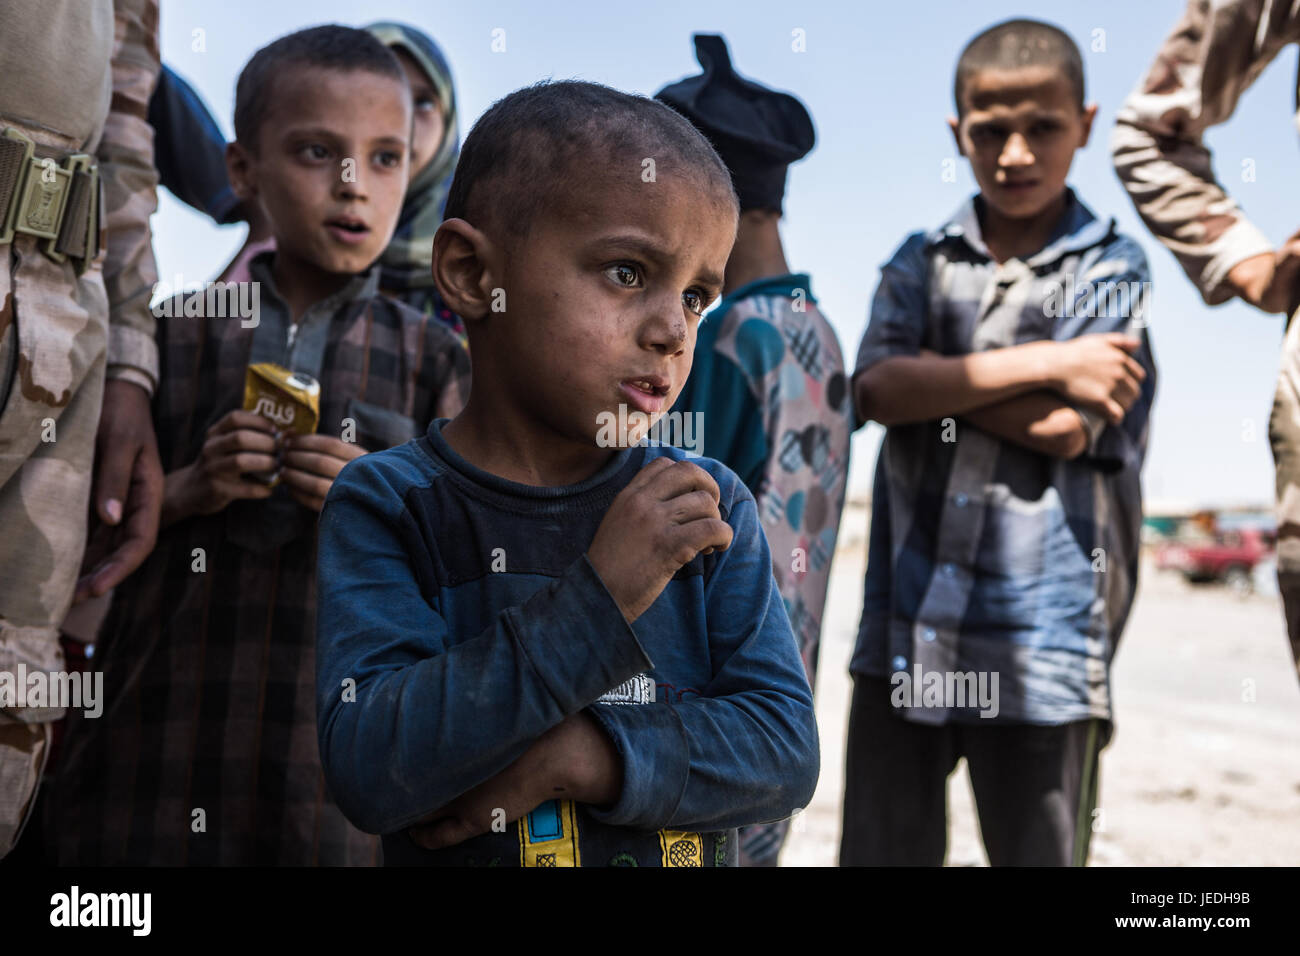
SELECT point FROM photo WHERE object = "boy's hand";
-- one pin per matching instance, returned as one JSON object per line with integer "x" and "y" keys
{"x": 239, "y": 442}
{"x": 667, "y": 514}
{"x": 574, "y": 760}
{"x": 1099, "y": 371}
{"x": 1271, "y": 281}
{"x": 312, "y": 462}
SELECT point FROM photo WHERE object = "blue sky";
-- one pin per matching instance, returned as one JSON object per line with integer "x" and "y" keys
{"x": 877, "y": 78}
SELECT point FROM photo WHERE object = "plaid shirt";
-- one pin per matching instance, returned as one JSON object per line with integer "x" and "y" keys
{"x": 210, "y": 675}
{"x": 985, "y": 556}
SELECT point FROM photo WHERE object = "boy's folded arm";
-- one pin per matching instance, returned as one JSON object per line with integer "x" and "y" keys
{"x": 744, "y": 750}
{"x": 897, "y": 380}
{"x": 1040, "y": 421}
{"x": 903, "y": 389}
{"x": 408, "y": 720}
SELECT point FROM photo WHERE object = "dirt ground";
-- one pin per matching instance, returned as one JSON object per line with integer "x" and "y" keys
{"x": 1198, "y": 774}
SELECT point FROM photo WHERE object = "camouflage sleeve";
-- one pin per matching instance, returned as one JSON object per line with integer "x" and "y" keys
{"x": 1212, "y": 56}
{"x": 130, "y": 182}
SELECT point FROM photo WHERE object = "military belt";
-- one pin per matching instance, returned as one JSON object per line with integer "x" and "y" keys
{"x": 58, "y": 202}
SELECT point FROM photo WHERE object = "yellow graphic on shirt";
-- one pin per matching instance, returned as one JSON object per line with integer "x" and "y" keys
{"x": 549, "y": 835}
{"x": 681, "y": 849}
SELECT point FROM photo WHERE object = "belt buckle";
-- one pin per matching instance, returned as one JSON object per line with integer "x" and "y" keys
{"x": 43, "y": 196}
{"x": 9, "y": 215}
{"x": 75, "y": 163}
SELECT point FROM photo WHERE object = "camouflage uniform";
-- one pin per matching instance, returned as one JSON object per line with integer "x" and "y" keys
{"x": 87, "y": 70}
{"x": 1213, "y": 54}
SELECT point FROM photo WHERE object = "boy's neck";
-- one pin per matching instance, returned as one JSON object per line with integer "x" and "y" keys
{"x": 301, "y": 284}
{"x": 1008, "y": 238}
{"x": 513, "y": 447}
{"x": 758, "y": 252}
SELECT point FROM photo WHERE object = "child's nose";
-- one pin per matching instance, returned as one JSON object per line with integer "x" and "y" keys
{"x": 1016, "y": 152}
{"x": 666, "y": 329}
{"x": 351, "y": 182}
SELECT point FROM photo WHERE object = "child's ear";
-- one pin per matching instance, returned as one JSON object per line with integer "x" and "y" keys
{"x": 239, "y": 170}
{"x": 463, "y": 270}
{"x": 954, "y": 124}
{"x": 1089, "y": 114}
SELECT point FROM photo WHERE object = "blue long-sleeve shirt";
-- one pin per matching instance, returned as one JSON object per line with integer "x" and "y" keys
{"x": 459, "y": 619}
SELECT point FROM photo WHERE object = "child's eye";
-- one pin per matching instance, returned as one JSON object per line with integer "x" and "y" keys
{"x": 425, "y": 103}
{"x": 695, "y": 300}
{"x": 624, "y": 274}
{"x": 314, "y": 151}
{"x": 1044, "y": 128}
{"x": 987, "y": 134}
{"x": 390, "y": 159}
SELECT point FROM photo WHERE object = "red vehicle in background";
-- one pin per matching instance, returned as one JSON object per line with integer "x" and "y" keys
{"x": 1229, "y": 557}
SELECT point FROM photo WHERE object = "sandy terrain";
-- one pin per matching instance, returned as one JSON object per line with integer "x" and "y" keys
{"x": 1196, "y": 775}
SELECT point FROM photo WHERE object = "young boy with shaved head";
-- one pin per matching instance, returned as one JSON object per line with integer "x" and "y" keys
{"x": 1007, "y": 357}
{"x": 544, "y": 642}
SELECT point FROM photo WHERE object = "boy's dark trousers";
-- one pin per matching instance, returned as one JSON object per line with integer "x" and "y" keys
{"x": 1035, "y": 786}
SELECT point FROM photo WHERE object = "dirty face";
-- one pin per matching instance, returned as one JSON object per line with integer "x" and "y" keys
{"x": 331, "y": 166}
{"x": 1020, "y": 129}
{"x": 605, "y": 295}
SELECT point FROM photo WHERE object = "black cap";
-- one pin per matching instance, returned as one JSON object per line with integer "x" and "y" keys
{"x": 758, "y": 132}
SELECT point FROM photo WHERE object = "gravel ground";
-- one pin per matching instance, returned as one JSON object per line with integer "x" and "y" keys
{"x": 1198, "y": 774}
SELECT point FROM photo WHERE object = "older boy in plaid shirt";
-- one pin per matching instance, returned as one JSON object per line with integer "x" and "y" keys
{"x": 209, "y": 651}
{"x": 1006, "y": 354}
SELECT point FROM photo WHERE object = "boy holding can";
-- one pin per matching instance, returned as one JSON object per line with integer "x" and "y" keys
{"x": 206, "y": 751}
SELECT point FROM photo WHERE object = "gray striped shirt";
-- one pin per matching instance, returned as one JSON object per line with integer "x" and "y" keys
{"x": 984, "y": 556}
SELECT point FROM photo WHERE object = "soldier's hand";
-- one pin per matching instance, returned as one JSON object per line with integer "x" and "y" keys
{"x": 1271, "y": 281}
{"x": 127, "y": 489}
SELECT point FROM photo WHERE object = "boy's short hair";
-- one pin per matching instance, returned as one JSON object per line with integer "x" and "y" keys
{"x": 330, "y": 46}
{"x": 1016, "y": 44}
{"x": 524, "y": 148}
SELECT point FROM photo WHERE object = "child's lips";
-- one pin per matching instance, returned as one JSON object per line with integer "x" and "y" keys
{"x": 645, "y": 395}
{"x": 349, "y": 231}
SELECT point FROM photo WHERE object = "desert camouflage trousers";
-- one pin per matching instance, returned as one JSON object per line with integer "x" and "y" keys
{"x": 1284, "y": 438}
{"x": 53, "y": 347}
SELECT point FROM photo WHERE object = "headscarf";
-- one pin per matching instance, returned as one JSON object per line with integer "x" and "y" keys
{"x": 405, "y": 264}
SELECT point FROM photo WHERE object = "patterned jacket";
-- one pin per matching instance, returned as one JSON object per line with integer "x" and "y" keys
{"x": 767, "y": 381}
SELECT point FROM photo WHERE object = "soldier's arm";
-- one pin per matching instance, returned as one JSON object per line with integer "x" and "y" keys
{"x": 128, "y": 481}
{"x": 1215, "y": 52}
{"x": 125, "y": 157}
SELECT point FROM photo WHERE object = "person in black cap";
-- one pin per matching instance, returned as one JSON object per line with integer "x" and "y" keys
{"x": 767, "y": 383}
